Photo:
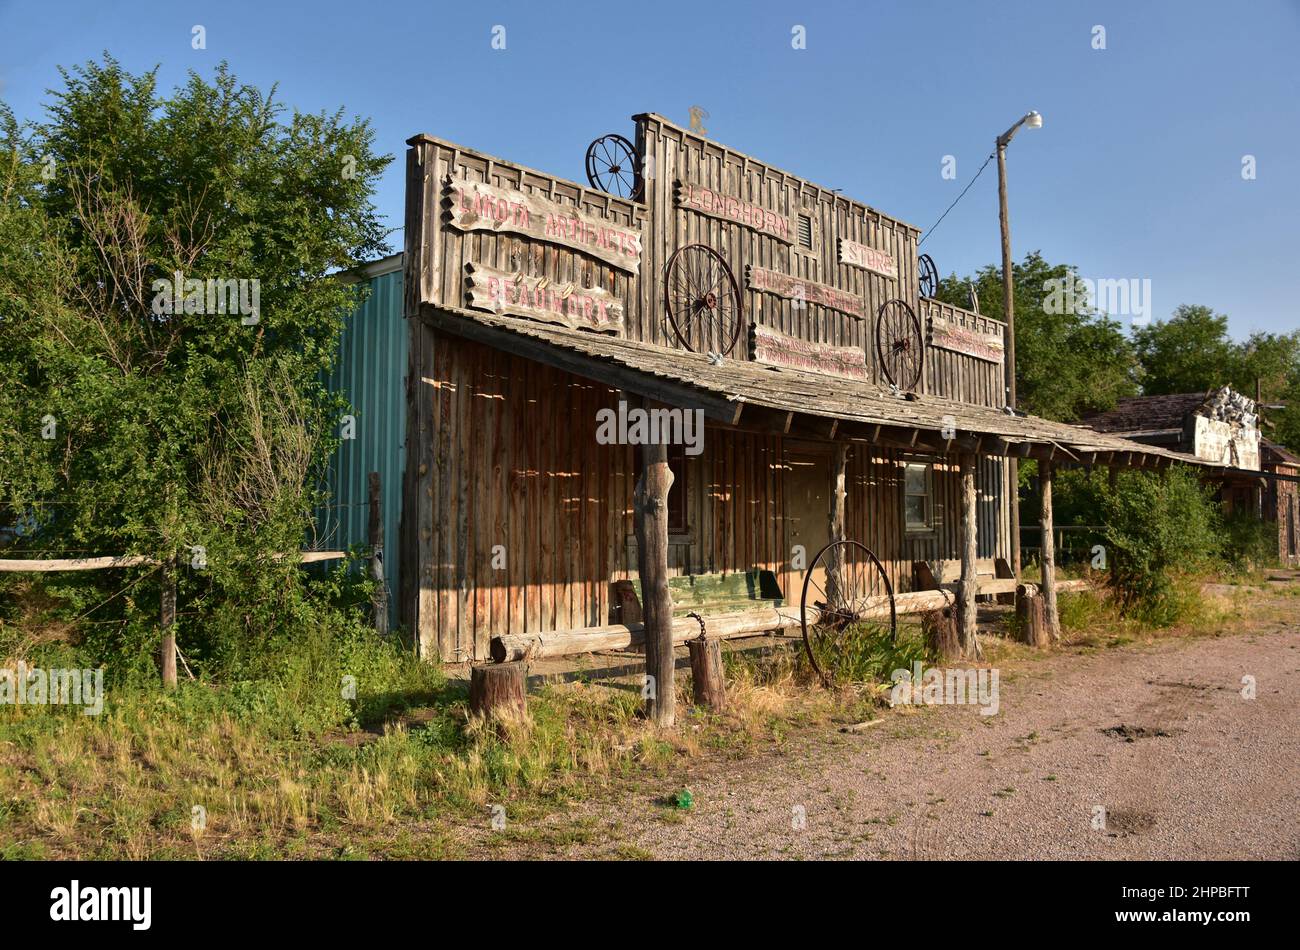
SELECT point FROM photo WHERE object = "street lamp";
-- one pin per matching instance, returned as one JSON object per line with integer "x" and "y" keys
{"x": 1034, "y": 121}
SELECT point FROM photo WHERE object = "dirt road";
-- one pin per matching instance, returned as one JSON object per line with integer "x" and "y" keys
{"x": 1197, "y": 771}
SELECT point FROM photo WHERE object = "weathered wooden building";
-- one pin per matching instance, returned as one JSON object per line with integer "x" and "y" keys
{"x": 791, "y": 318}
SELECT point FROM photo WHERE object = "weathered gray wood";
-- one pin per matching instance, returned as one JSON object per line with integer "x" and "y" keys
{"x": 167, "y": 651}
{"x": 375, "y": 526}
{"x": 748, "y": 623}
{"x": 476, "y": 206}
{"x": 48, "y": 565}
{"x": 835, "y": 521}
{"x": 869, "y": 258}
{"x": 941, "y": 635}
{"x": 969, "y": 581}
{"x": 536, "y": 297}
{"x": 804, "y": 291}
{"x": 707, "y": 201}
{"x": 778, "y": 349}
{"x": 1030, "y": 617}
{"x": 498, "y": 691}
{"x": 1051, "y": 617}
{"x": 650, "y": 516}
{"x": 707, "y": 680}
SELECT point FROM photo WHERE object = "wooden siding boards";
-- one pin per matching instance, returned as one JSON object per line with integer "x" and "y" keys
{"x": 501, "y": 423}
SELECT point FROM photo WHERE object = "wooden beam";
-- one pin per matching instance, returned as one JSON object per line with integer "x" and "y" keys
{"x": 375, "y": 531}
{"x": 650, "y": 516}
{"x": 835, "y": 519}
{"x": 748, "y": 623}
{"x": 167, "y": 650}
{"x": 969, "y": 580}
{"x": 1050, "y": 616}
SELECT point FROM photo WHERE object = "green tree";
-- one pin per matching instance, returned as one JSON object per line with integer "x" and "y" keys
{"x": 1069, "y": 359}
{"x": 121, "y": 413}
{"x": 1190, "y": 352}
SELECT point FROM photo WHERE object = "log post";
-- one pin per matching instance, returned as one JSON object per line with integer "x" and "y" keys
{"x": 969, "y": 582}
{"x": 709, "y": 685}
{"x": 835, "y": 563}
{"x": 1050, "y": 616}
{"x": 167, "y": 651}
{"x": 650, "y": 517}
{"x": 379, "y": 597}
{"x": 498, "y": 691}
{"x": 1030, "y": 617}
{"x": 940, "y": 628}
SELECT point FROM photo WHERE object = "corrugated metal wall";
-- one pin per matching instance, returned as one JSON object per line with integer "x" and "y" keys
{"x": 370, "y": 370}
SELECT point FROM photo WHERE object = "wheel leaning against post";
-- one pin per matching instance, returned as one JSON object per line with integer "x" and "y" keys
{"x": 825, "y": 620}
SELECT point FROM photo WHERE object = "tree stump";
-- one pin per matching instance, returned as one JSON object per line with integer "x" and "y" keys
{"x": 498, "y": 691}
{"x": 941, "y": 634}
{"x": 1031, "y": 617}
{"x": 709, "y": 685}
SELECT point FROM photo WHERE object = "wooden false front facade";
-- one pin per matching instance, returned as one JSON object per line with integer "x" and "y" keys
{"x": 517, "y": 518}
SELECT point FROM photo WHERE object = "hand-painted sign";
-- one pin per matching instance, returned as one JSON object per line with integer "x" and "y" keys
{"x": 591, "y": 308}
{"x": 707, "y": 201}
{"x": 868, "y": 258}
{"x": 948, "y": 336}
{"x": 775, "y": 348}
{"x": 794, "y": 288}
{"x": 476, "y": 206}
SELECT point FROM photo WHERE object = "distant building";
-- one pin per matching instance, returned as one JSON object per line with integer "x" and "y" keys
{"x": 1220, "y": 426}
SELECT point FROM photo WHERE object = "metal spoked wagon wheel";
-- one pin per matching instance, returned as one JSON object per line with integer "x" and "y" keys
{"x": 928, "y": 275}
{"x": 703, "y": 300}
{"x": 611, "y": 166}
{"x": 899, "y": 344}
{"x": 835, "y": 617}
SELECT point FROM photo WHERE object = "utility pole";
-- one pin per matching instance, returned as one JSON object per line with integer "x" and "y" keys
{"x": 1034, "y": 121}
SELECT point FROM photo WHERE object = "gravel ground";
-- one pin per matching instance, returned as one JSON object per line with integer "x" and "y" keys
{"x": 1197, "y": 771}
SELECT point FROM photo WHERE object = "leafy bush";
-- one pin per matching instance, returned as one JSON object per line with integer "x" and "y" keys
{"x": 1158, "y": 527}
{"x": 1248, "y": 542}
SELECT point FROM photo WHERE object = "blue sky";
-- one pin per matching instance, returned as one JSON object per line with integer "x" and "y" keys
{"x": 1137, "y": 172}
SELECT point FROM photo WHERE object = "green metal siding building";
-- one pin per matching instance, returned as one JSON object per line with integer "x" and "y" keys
{"x": 370, "y": 371}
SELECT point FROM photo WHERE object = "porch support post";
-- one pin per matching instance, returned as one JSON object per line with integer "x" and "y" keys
{"x": 1050, "y": 615}
{"x": 969, "y": 582}
{"x": 650, "y": 511}
{"x": 835, "y": 564}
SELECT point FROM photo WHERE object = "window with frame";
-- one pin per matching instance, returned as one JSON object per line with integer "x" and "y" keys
{"x": 918, "y": 497}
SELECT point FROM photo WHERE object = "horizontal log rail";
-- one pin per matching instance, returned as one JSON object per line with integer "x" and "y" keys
{"x": 747, "y": 623}
{"x": 48, "y": 565}
{"x": 727, "y": 626}
{"x": 1007, "y": 585}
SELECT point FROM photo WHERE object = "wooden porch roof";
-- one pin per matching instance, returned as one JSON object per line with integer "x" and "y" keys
{"x": 797, "y": 402}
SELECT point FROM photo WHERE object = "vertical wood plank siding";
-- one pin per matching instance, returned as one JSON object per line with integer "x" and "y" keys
{"x": 516, "y": 520}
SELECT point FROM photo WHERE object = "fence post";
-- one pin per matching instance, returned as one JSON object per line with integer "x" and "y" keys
{"x": 379, "y": 598}
{"x": 168, "y": 648}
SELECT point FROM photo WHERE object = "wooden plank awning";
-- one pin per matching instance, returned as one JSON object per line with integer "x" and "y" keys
{"x": 798, "y": 402}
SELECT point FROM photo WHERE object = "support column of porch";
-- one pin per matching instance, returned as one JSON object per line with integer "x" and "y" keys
{"x": 1050, "y": 615}
{"x": 650, "y": 517}
{"x": 835, "y": 564}
{"x": 969, "y": 586}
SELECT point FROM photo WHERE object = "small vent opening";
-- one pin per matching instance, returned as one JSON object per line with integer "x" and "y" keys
{"x": 805, "y": 231}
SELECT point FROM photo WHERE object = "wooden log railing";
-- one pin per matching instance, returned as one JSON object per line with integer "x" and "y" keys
{"x": 748, "y": 623}
{"x": 727, "y": 626}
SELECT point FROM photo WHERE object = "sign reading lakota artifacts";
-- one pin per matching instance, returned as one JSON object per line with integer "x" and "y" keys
{"x": 479, "y": 207}
{"x": 795, "y": 288}
{"x": 948, "y": 336}
{"x": 592, "y": 308}
{"x": 868, "y": 258}
{"x": 717, "y": 205}
{"x": 775, "y": 348}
